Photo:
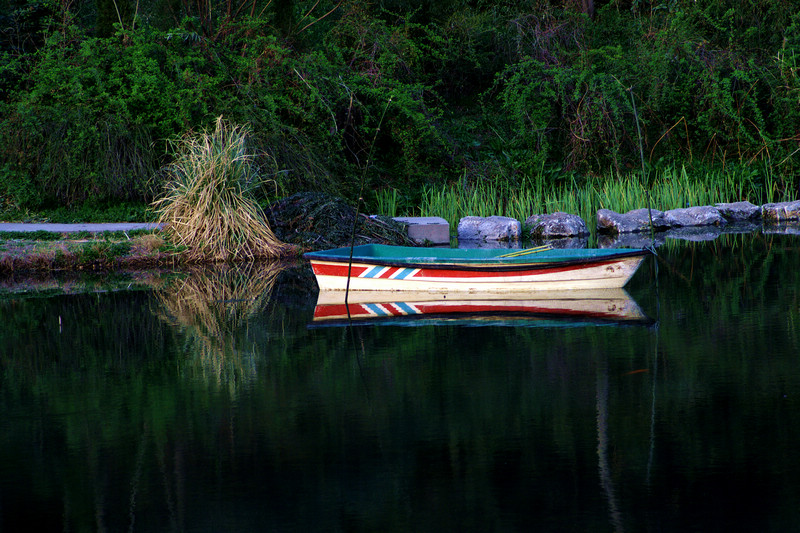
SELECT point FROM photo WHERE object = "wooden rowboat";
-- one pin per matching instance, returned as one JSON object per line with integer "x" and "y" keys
{"x": 540, "y": 309}
{"x": 376, "y": 267}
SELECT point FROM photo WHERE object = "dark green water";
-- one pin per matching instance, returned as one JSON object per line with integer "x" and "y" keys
{"x": 173, "y": 410}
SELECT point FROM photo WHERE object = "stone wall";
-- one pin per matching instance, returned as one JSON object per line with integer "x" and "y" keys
{"x": 633, "y": 229}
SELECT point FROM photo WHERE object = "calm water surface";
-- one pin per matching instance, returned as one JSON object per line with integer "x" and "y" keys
{"x": 214, "y": 403}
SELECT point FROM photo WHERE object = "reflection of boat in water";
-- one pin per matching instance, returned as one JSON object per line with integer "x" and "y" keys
{"x": 540, "y": 308}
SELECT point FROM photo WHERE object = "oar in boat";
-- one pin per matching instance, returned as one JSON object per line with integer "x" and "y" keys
{"x": 527, "y": 251}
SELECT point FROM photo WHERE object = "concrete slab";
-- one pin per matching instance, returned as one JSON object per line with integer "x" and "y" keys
{"x": 434, "y": 230}
{"x": 74, "y": 228}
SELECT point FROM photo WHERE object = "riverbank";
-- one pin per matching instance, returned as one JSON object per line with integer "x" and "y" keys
{"x": 309, "y": 221}
{"x": 79, "y": 249}
{"x": 314, "y": 221}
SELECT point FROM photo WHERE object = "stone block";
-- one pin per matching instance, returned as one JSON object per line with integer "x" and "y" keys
{"x": 433, "y": 230}
{"x": 739, "y": 211}
{"x": 556, "y": 225}
{"x": 636, "y": 221}
{"x": 780, "y": 212}
{"x": 494, "y": 228}
{"x": 694, "y": 216}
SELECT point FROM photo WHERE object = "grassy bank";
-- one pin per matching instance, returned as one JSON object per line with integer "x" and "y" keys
{"x": 46, "y": 251}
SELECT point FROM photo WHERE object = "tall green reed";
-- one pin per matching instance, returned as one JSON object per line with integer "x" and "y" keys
{"x": 388, "y": 202}
{"x": 670, "y": 188}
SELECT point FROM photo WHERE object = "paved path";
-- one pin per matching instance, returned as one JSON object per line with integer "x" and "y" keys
{"x": 431, "y": 229}
{"x": 72, "y": 228}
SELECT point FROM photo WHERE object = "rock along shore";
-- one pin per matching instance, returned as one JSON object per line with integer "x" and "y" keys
{"x": 633, "y": 229}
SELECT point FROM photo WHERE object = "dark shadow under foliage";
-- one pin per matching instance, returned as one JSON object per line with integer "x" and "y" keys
{"x": 319, "y": 221}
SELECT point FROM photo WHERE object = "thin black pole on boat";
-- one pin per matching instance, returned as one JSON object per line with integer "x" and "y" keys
{"x": 358, "y": 205}
{"x": 350, "y": 260}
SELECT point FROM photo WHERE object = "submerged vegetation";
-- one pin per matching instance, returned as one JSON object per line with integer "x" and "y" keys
{"x": 570, "y": 98}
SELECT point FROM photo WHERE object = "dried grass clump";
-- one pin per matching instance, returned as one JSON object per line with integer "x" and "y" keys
{"x": 208, "y": 206}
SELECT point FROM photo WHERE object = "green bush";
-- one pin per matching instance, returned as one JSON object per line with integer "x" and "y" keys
{"x": 568, "y": 99}
{"x": 87, "y": 120}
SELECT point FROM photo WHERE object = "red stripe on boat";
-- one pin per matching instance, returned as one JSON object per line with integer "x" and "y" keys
{"x": 361, "y": 311}
{"x": 324, "y": 311}
{"x": 388, "y": 273}
{"x": 489, "y": 273}
{"x": 437, "y": 308}
{"x": 322, "y": 269}
{"x": 341, "y": 270}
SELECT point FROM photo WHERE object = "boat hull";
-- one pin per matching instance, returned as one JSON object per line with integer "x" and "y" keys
{"x": 603, "y": 273}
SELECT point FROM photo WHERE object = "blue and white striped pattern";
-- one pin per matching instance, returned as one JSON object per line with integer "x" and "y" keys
{"x": 388, "y": 272}
{"x": 391, "y": 309}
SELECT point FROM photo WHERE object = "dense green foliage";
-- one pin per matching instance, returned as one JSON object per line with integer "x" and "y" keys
{"x": 396, "y": 94}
